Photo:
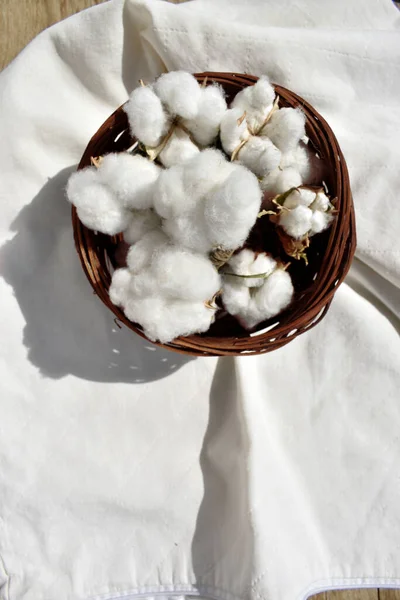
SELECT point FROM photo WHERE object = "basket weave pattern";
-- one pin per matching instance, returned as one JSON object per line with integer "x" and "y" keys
{"x": 330, "y": 253}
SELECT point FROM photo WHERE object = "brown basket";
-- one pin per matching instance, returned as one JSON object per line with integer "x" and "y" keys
{"x": 330, "y": 253}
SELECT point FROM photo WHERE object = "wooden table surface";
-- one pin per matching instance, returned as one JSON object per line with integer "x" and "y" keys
{"x": 22, "y": 20}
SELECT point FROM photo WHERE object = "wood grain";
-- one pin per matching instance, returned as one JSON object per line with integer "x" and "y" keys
{"x": 20, "y": 22}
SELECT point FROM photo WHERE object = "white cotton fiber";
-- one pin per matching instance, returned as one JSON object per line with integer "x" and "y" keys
{"x": 296, "y": 222}
{"x": 233, "y": 129}
{"x": 247, "y": 262}
{"x": 148, "y": 120}
{"x": 286, "y": 128}
{"x": 270, "y": 299}
{"x": 212, "y": 106}
{"x": 235, "y": 296}
{"x": 170, "y": 198}
{"x": 143, "y": 285}
{"x": 178, "y": 149}
{"x": 306, "y": 162}
{"x": 180, "y": 93}
{"x": 140, "y": 254}
{"x": 183, "y": 274}
{"x": 119, "y": 288}
{"x": 321, "y": 202}
{"x": 78, "y": 181}
{"x": 164, "y": 320}
{"x": 281, "y": 180}
{"x": 206, "y": 172}
{"x": 97, "y": 206}
{"x": 299, "y": 197}
{"x": 190, "y": 230}
{"x": 142, "y": 222}
{"x": 257, "y": 100}
{"x": 130, "y": 177}
{"x": 231, "y": 210}
{"x": 260, "y": 155}
{"x": 320, "y": 221}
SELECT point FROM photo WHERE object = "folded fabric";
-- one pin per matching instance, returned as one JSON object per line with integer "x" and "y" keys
{"x": 128, "y": 471}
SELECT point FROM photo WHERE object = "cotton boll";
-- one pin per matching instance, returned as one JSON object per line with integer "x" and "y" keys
{"x": 189, "y": 230}
{"x": 131, "y": 178}
{"x": 257, "y": 100}
{"x": 182, "y": 274}
{"x": 246, "y": 262}
{"x": 286, "y": 128}
{"x": 281, "y": 180}
{"x": 143, "y": 284}
{"x": 148, "y": 120}
{"x": 231, "y": 210}
{"x": 178, "y": 149}
{"x": 205, "y": 125}
{"x": 140, "y": 254}
{"x": 119, "y": 288}
{"x": 260, "y": 155}
{"x": 299, "y": 197}
{"x": 296, "y": 222}
{"x": 320, "y": 221}
{"x": 306, "y": 162}
{"x": 180, "y": 92}
{"x": 149, "y": 313}
{"x": 321, "y": 202}
{"x": 142, "y": 222}
{"x": 233, "y": 132}
{"x": 205, "y": 172}
{"x": 170, "y": 197}
{"x": 270, "y": 299}
{"x": 235, "y": 296}
{"x": 78, "y": 181}
{"x": 99, "y": 210}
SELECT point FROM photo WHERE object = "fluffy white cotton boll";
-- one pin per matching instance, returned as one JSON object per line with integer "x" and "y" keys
{"x": 281, "y": 180}
{"x": 183, "y": 274}
{"x": 306, "y": 162}
{"x": 143, "y": 284}
{"x": 131, "y": 178}
{"x": 170, "y": 197}
{"x": 178, "y": 149}
{"x": 164, "y": 320}
{"x": 246, "y": 262}
{"x": 257, "y": 100}
{"x": 205, "y": 125}
{"x": 235, "y": 296}
{"x": 119, "y": 288}
{"x": 148, "y": 120}
{"x": 232, "y": 209}
{"x": 260, "y": 155}
{"x": 78, "y": 181}
{"x": 296, "y": 222}
{"x": 321, "y": 202}
{"x": 140, "y": 254}
{"x": 99, "y": 209}
{"x": 142, "y": 222}
{"x": 299, "y": 197}
{"x": 233, "y": 130}
{"x": 180, "y": 93}
{"x": 286, "y": 128}
{"x": 205, "y": 172}
{"x": 270, "y": 299}
{"x": 189, "y": 230}
{"x": 320, "y": 221}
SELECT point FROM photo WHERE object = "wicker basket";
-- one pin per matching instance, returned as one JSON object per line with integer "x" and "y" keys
{"x": 330, "y": 253}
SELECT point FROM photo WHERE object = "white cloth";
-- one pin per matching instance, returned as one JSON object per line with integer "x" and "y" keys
{"x": 126, "y": 470}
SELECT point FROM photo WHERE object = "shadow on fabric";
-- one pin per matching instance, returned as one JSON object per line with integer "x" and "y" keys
{"x": 68, "y": 330}
{"x": 223, "y": 542}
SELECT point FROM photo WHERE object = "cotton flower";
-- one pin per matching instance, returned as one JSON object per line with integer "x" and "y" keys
{"x": 299, "y": 197}
{"x": 148, "y": 120}
{"x": 143, "y": 221}
{"x": 320, "y": 221}
{"x": 120, "y": 282}
{"x": 96, "y": 204}
{"x": 286, "y": 128}
{"x": 246, "y": 263}
{"x": 130, "y": 177}
{"x": 257, "y": 100}
{"x": 296, "y": 222}
{"x": 212, "y": 106}
{"x": 305, "y": 212}
{"x": 234, "y": 130}
{"x": 180, "y": 93}
{"x": 321, "y": 202}
{"x": 270, "y": 299}
{"x": 141, "y": 254}
{"x": 260, "y": 155}
{"x": 281, "y": 180}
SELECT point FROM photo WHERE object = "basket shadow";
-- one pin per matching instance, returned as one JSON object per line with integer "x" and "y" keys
{"x": 223, "y": 540}
{"x": 68, "y": 330}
